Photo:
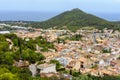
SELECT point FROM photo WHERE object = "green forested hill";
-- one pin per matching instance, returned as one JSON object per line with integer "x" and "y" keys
{"x": 75, "y": 18}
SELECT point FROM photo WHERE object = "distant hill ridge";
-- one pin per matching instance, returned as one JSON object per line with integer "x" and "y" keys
{"x": 75, "y": 19}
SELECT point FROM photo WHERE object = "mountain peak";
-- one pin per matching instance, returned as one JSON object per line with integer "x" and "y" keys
{"x": 76, "y": 17}
{"x": 77, "y": 10}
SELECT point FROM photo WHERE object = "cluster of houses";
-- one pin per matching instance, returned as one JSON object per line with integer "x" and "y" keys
{"x": 97, "y": 53}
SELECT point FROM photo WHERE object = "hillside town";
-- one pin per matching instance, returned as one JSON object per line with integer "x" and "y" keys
{"x": 96, "y": 53}
{"x": 59, "y": 40}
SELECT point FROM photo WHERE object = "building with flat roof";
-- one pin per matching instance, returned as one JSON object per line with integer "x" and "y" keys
{"x": 47, "y": 68}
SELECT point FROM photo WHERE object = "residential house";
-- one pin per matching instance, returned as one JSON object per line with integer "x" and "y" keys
{"x": 47, "y": 68}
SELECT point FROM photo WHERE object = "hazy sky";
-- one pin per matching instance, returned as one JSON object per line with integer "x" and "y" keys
{"x": 45, "y": 9}
{"x": 101, "y": 6}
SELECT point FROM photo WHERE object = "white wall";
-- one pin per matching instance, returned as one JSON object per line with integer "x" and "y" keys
{"x": 49, "y": 69}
